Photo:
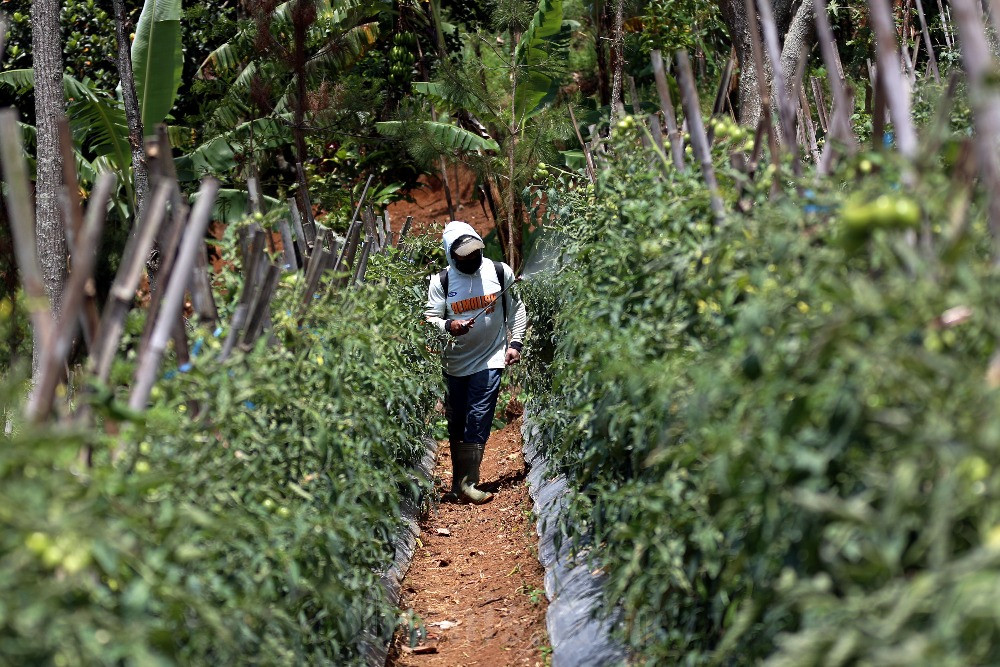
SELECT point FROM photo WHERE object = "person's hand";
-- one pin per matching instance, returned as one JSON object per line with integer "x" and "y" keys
{"x": 512, "y": 357}
{"x": 459, "y": 327}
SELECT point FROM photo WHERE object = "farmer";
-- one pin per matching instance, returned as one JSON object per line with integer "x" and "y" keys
{"x": 478, "y": 349}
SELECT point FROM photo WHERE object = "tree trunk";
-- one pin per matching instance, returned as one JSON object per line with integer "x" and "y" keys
{"x": 603, "y": 89}
{"x": 618, "y": 57}
{"x": 794, "y": 21}
{"x": 49, "y": 105}
{"x": 799, "y": 38}
{"x": 140, "y": 168}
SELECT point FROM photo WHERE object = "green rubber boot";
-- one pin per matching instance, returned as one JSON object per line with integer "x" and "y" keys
{"x": 466, "y": 457}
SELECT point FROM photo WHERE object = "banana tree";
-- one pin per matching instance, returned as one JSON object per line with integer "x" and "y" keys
{"x": 297, "y": 44}
{"x": 501, "y": 126}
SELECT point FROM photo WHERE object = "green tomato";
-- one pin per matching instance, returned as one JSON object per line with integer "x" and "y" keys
{"x": 907, "y": 212}
{"x": 37, "y": 543}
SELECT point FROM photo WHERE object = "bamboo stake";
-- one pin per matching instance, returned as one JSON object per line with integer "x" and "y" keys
{"x": 300, "y": 237}
{"x": 985, "y": 102}
{"x": 346, "y": 260}
{"x": 381, "y": 240}
{"x": 253, "y": 195}
{"x": 757, "y": 52}
{"x": 173, "y": 300}
{"x": 840, "y": 125}
{"x": 322, "y": 262}
{"x": 656, "y": 130}
{"x": 73, "y": 216}
{"x": 591, "y": 171}
{"x": 308, "y": 221}
{"x": 786, "y": 109}
{"x": 251, "y": 260}
{"x": 945, "y": 28}
{"x": 634, "y": 96}
{"x": 699, "y": 142}
{"x": 201, "y": 291}
{"x": 261, "y": 309}
{"x": 878, "y": 113}
{"x": 890, "y": 78}
{"x": 809, "y": 128}
{"x": 820, "y": 99}
{"x": 719, "y": 106}
{"x": 359, "y": 274}
{"x": 22, "y": 222}
{"x": 126, "y": 283}
{"x": 667, "y": 106}
{"x": 931, "y": 58}
{"x": 54, "y": 362}
{"x": 287, "y": 246}
{"x": 403, "y": 232}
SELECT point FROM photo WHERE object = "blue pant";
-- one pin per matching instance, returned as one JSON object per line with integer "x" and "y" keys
{"x": 470, "y": 402}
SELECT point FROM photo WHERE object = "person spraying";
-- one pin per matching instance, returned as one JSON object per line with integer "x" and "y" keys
{"x": 486, "y": 322}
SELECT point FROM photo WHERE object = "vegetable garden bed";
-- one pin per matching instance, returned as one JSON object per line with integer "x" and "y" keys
{"x": 780, "y": 434}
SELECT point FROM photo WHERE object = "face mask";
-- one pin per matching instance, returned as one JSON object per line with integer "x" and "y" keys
{"x": 469, "y": 264}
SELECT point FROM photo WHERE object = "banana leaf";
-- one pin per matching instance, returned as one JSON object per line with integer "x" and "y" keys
{"x": 445, "y": 136}
{"x": 157, "y": 60}
{"x": 220, "y": 154}
{"x": 538, "y": 84}
{"x": 233, "y": 205}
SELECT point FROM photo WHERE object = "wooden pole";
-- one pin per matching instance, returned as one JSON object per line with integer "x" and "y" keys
{"x": 985, "y": 102}
{"x": 201, "y": 291}
{"x": 320, "y": 262}
{"x": 126, "y": 283}
{"x": 891, "y": 79}
{"x": 173, "y": 299}
{"x": 300, "y": 237}
{"x": 406, "y": 230}
{"x": 362, "y": 268}
{"x": 719, "y": 106}
{"x": 932, "y": 59}
{"x": 21, "y": 211}
{"x": 287, "y": 246}
{"x": 73, "y": 215}
{"x": 809, "y": 128}
{"x": 308, "y": 221}
{"x": 667, "y": 106}
{"x": 820, "y": 99}
{"x": 699, "y": 142}
{"x": 786, "y": 100}
{"x": 591, "y": 171}
{"x": 251, "y": 260}
{"x": 757, "y": 52}
{"x": 54, "y": 362}
{"x": 840, "y": 125}
{"x": 260, "y": 314}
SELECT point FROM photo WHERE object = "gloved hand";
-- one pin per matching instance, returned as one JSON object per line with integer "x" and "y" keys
{"x": 459, "y": 327}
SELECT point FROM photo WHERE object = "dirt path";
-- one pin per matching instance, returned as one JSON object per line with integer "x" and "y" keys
{"x": 475, "y": 581}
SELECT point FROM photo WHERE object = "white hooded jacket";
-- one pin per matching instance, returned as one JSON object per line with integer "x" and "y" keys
{"x": 485, "y": 345}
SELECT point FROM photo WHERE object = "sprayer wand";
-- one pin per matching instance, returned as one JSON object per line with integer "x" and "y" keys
{"x": 499, "y": 295}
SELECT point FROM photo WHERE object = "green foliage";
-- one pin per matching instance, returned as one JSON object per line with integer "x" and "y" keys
{"x": 445, "y": 136}
{"x": 252, "y": 532}
{"x": 157, "y": 60}
{"x": 786, "y": 450}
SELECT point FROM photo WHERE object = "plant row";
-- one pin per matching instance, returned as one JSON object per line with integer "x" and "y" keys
{"x": 782, "y": 428}
{"x": 249, "y": 511}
